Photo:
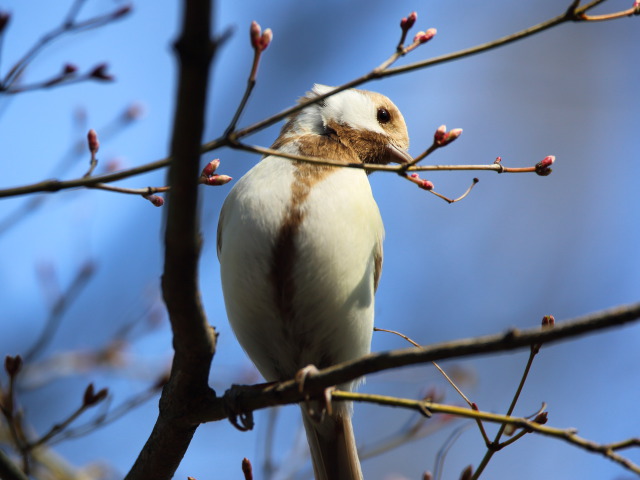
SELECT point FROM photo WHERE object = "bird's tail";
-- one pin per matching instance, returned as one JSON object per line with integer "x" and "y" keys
{"x": 333, "y": 446}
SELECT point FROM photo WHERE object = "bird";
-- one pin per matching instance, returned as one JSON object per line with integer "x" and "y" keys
{"x": 300, "y": 252}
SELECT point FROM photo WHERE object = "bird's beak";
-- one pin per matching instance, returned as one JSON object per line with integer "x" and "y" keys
{"x": 397, "y": 155}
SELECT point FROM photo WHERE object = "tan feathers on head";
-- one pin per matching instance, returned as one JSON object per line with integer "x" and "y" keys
{"x": 365, "y": 122}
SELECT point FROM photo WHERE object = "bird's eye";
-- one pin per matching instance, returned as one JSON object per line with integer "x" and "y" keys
{"x": 383, "y": 115}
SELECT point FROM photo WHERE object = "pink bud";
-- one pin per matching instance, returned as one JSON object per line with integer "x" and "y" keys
{"x": 217, "y": 180}
{"x": 267, "y": 36}
{"x": 442, "y": 137}
{"x": 255, "y": 32}
{"x": 407, "y": 22}
{"x": 426, "y": 185}
{"x": 156, "y": 200}
{"x": 424, "y": 37}
{"x": 414, "y": 175}
{"x": 547, "y": 161}
{"x": 92, "y": 140}
{"x": 210, "y": 168}
{"x": 440, "y": 134}
{"x": 548, "y": 321}
{"x": 542, "y": 168}
{"x": 497, "y": 160}
{"x": 452, "y": 135}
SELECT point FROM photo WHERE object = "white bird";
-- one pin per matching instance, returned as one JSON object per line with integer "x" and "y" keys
{"x": 300, "y": 250}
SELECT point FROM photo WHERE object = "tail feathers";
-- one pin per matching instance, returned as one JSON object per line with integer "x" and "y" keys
{"x": 333, "y": 447}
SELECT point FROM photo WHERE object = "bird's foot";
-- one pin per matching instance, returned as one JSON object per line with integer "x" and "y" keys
{"x": 315, "y": 409}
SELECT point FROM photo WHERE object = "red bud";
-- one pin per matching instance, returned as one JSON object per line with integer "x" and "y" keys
{"x": 407, "y": 22}
{"x": 156, "y": 200}
{"x": 92, "y": 140}
{"x": 424, "y": 37}
{"x": 542, "y": 168}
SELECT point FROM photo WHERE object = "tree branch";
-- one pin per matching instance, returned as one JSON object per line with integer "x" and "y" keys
{"x": 8, "y": 470}
{"x": 573, "y": 13}
{"x": 246, "y": 399}
{"x": 193, "y": 339}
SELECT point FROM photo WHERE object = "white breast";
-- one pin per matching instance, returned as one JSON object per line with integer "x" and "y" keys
{"x": 335, "y": 245}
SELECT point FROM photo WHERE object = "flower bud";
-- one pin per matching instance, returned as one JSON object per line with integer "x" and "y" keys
{"x": 548, "y": 321}
{"x": 255, "y": 32}
{"x": 407, "y": 22}
{"x": 426, "y": 185}
{"x": 217, "y": 180}
{"x": 453, "y": 134}
{"x": 91, "y": 398}
{"x": 156, "y": 200}
{"x": 543, "y": 168}
{"x": 440, "y": 134}
{"x": 424, "y": 37}
{"x": 267, "y": 36}
{"x": 210, "y": 168}
{"x": 442, "y": 137}
{"x": 92, "y": 140}
{"x": 12, "y": 365}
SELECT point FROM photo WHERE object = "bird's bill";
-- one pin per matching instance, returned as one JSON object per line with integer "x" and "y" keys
{"x": 397, "y": 155}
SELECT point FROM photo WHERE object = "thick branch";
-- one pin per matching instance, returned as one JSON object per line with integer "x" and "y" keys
{"x": 8, "y": 470}
{"x": 193, "y": 339}
{"x": 239, "y": 399}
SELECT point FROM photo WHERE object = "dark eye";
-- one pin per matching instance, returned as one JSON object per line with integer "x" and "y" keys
{"x": 383, "y": 115}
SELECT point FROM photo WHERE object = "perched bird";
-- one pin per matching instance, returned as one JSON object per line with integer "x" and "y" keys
{"x": 300, "y": 250}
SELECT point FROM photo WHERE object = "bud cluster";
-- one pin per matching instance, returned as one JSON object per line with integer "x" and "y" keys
{"x": 259, "y": 40}
{"x": 442, "y": 137}
{"x": 208, "y": 177}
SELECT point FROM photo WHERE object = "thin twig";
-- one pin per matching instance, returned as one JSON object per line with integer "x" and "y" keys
{"x": 569, "y": 15}
{"x": 64, "y": 301}
{"x": 69, "y": 26}
{"x": 567, "y": 434}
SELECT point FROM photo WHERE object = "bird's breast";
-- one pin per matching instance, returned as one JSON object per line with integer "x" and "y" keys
{"x": 299, "y": 249}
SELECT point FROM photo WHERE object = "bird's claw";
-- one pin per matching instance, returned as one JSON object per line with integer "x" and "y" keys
{"x": 325, "y": 405}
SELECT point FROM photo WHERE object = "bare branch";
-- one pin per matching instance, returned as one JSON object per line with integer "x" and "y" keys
{"x": 571, "y": 14}
{"x": 193, "y": 339}
{"x": 243, "y": 399}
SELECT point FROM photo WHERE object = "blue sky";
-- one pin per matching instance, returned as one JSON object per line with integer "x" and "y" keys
{"x": 518, "y": 248}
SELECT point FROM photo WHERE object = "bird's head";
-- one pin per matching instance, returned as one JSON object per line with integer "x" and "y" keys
{"x": 366, "y": 122}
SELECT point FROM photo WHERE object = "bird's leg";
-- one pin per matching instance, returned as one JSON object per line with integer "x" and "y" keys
{"x": 325, "y": 405}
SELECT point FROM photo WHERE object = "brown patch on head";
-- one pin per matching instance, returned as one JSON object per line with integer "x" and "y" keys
{"x": 395, "y": 128}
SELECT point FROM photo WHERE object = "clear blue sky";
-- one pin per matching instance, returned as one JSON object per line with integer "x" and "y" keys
{"x": 518, "y": 248}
